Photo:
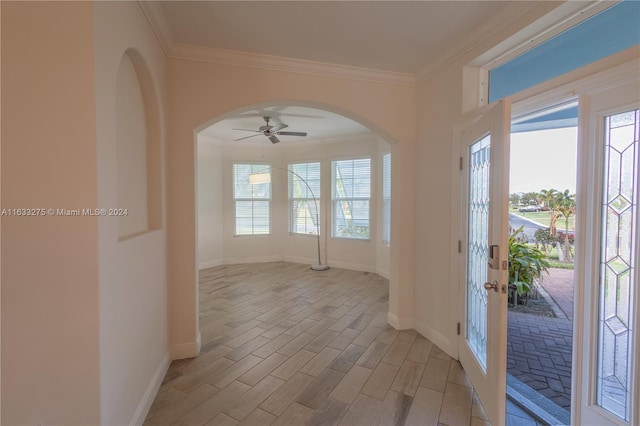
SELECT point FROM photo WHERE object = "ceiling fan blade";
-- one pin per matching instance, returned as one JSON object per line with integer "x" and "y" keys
{"x": 249, "y": 130}
{"x": 246, "y": 137}
{"x": 274, "y": 139}
{"x": 293, "y": 133}
{"x": 278, "y": 127}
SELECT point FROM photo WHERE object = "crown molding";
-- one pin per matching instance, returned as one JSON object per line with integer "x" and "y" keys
{"x": 159, "y": 24}
{"x": 158, "y": 21}
{"x": 279, "y": 63}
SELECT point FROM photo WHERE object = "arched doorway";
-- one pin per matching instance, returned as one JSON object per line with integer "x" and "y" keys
{"x": 233, "y": 227}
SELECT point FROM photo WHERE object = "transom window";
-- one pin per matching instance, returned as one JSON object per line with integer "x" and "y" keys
{"x": 611, "y": 31}
{"x": 350, "y": 195}
{"x": 252, "y": 201}
{"x": 303, "y": 208}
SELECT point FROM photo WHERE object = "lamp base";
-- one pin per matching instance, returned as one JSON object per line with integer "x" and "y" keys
{"x": 319, "y": 267}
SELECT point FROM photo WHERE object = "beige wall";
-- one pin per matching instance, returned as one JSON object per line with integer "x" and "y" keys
{"x": 85, "y": 327}
{"x": 210, "y": 212}
{"x": 383, "y": 251}
{"x": 201, "y": 93}
{"x": 50, "y": 342}
{"x": 132, "y": 271}
{"x": 440, "y": 108}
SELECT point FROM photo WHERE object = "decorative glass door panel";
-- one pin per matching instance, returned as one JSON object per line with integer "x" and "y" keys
{"x": 477, "y": 248}
{"x": 484, "y": 227}
{"x": 617, "y": 271}
{"x": 607, "y": 334}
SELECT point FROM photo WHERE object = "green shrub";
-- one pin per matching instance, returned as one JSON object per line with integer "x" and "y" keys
{"x": 526, "y": 263}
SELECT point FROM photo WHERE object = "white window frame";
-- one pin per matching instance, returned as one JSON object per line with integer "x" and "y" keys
{"x": 313, "y": 206}
{"x": 339, "y": 199}
{"x": 255, "y": 168}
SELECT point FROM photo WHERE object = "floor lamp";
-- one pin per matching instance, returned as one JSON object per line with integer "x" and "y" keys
{"x": 262, "y": 177}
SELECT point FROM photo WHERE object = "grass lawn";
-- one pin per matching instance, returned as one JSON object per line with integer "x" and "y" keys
{"x": 552, "y": 258}
{"x": 544, "y": 218}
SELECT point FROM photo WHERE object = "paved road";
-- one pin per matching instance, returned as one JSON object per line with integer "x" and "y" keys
{"x": 530, "y": 227}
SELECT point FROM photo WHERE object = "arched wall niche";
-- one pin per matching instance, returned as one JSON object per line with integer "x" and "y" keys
{"x": 138, "y": 148}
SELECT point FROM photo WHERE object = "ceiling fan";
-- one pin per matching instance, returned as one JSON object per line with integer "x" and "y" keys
{"x": 271, "y": 132}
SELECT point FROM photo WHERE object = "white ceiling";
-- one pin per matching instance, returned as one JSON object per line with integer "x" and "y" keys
{"x": 319, "y": 124}
{"x": 401, "y": 37}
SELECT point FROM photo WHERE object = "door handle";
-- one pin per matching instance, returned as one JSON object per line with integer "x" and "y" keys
{"x": 494, "y": 285}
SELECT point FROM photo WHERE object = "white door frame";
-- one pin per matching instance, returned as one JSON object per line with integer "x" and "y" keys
{"x": 602, "y": 75}
{"x": 598, "y": 104}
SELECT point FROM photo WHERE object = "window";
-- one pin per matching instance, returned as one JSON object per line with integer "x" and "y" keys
{"x": 351, "y": 191}
{"x": 611, "y": 31}
{"x": 386, "y": 199}
{"x": 303, "y": 213}
{"x": 252, "y": 202}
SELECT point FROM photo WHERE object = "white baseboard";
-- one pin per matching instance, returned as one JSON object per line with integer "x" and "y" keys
{"x": 353, "y": 266}
{"x": 451, "y": 348}
{"x": 293, "y": 259}
{"x": 152, "y": 390}
{"x": 255, "y": 259}
{"x": 186, "y": 350}
{"x": 308, "y": 260}
{"x": 399, "y": 323}
{"x": 301, "y": 260}
{"x": 210, "y": 264}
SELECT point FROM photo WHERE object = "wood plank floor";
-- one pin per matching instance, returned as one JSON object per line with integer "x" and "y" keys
{"x": 284, "y": 345}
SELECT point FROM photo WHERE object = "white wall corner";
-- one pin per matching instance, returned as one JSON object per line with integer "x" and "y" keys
{"x": 384, "y": 273}
{"x": 444, "y": 343}
{"x": 210, "y": 264}
{"x": 152, "y": 391}
{"x": 187, "y": 350}
{"x": 399, "y": 323}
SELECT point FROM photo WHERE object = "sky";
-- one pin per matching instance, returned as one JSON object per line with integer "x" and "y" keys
{"x": 543, "y": 159}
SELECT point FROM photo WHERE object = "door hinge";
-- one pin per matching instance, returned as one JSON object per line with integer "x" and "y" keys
{"x": 458, "y": 329}
{"x": 460, "y": 163}
{"x": 459, "y": 246}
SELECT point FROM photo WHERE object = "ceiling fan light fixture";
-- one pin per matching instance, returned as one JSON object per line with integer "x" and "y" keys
{"x": 272, "y": 132}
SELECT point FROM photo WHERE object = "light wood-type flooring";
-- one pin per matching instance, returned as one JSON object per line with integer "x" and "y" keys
{"x": 285, "y": 345}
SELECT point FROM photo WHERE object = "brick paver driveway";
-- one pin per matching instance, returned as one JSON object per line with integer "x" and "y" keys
{"x": 539, "y": 348}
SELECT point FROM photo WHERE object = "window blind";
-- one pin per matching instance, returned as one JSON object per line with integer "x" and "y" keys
{"x": 386, "y": 199}
{"x": 252, "y": 202}
{"x": 351, "y": 193}
{"x": 303, "y": 216}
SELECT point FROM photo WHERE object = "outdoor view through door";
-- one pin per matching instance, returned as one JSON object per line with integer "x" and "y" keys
{"x": 542, "y": 187}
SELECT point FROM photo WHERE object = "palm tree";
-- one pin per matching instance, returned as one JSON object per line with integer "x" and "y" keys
{"x": 565, "y": 204}
{"x": 548, "y": 197}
